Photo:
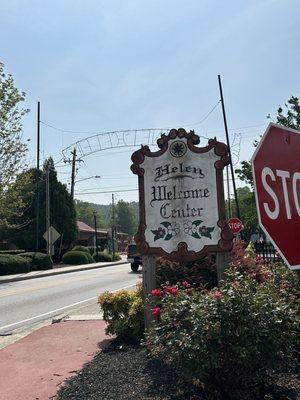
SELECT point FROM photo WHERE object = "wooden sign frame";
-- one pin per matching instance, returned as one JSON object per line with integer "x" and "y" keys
{"x": 182, "y": 253}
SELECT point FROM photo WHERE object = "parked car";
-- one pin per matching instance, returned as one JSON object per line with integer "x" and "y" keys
{"x": 134, "y": 257}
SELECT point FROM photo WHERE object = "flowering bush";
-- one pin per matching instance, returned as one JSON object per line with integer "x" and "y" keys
{"x": 245, "y": 261}
{"x": 123, "y": 312}
{"x": 226, "y": 338}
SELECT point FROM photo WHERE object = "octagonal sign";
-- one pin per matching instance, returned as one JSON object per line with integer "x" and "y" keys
{"x": 276, "y": 174}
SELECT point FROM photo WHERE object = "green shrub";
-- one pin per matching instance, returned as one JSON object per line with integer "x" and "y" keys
{"x": 117, "y": 257}
{"x": 39, "y": 261}
{"x": 75, "y": 257}
{"x": 81, "y": 248}
{"x": 13, "y": 252}
{"x": 103, "y": 256}
{"x": 123, "y": 313}
{"x": 90, "y": 257}
{"x": 13, "y": 264}
{"x": 228, "y": 338}
{"x": 91, "y": 249}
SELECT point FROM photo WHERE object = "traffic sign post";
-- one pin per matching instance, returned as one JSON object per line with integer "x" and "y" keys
{"x": 235, "y": 225}
{"x": 51, "y": 236}
{"x": 276, "y": 175}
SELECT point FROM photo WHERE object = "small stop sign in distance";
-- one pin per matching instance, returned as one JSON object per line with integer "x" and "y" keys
{"x": 235, "y": 225}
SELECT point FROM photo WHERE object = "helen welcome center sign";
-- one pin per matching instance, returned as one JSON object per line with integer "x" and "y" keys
{"x": 181, "y": 197}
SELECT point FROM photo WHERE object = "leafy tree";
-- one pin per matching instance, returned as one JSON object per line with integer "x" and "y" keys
{"x": 85, "y": 213}
{"x": 292, "y": 116}
{"x": 12, "y": 148}
{"x": 290, "y": 119}
{"x": 125, "y": 218}
{"x": 248, "y": 211}
{"x": 62, "y": 210}
{"x": 245, "y": 173}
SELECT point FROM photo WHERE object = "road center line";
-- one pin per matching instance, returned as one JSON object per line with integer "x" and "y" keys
{"x": 62, "y": 308}
{"x": 52, "y": 283}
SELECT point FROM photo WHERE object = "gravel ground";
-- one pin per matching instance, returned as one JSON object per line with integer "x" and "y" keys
{"x": 127, "y": 373}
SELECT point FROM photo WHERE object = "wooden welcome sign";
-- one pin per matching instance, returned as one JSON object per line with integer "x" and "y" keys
{"x": 181, "y": 197}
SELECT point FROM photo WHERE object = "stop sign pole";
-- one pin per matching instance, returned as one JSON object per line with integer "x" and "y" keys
{"x": 276, "y": 175}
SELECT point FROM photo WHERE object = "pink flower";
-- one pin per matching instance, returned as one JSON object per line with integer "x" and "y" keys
{"x": 217, "y": 295}
{"x": 284, "y": 285}
{"x": 186, "y": 285}
{"x": 173, "y": 290}
{"x": 156, "y": 293}
{"x": 155, "y": 311}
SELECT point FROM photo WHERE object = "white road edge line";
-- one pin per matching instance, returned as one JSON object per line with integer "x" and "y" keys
{"x": 62, "y": 308}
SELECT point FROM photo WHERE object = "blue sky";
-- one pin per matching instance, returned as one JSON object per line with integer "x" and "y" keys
{"x": 99, "y": 66}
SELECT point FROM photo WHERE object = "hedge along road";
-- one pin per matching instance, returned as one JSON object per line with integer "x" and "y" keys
{"x": 27, "y": 302}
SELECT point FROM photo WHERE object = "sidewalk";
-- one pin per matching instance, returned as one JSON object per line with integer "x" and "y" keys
{"x": 57, "y": 271}
{"x": 38, "y": 364}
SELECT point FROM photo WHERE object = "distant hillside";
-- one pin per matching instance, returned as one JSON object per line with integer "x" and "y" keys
{"x": 85, "y": 209}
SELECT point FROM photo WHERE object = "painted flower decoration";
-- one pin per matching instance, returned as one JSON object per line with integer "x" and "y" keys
{"x": 188, "y": 227}
{"x": 168, "y": 232}
{"x": 203, "y": 230}
{"x": 173, "y": 229}
{"x": 161, "y": 232}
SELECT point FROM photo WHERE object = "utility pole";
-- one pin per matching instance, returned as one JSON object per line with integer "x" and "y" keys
{"x": 37, "y": 178}
{"x": 228, "y": 192}
{"x": 49, "y": 241}
{"x": 73, "y": 172}
{"x": 229, "y": 150}
{"x": 113, "y": 225}
{"x": 96, "y": 234}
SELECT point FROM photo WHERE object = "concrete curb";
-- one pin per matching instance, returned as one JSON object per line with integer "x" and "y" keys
{"x": 60, "y": 271}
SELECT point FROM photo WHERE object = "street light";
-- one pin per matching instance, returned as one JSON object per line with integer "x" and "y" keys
{"x": 96, "y": 237}
{"x": 80, "y": 180}
{"x": 90, "y": 177}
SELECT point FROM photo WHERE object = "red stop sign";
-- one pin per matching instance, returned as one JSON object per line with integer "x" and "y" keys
{"x": 235, "y": 225}
{"x": 276, "y": 174}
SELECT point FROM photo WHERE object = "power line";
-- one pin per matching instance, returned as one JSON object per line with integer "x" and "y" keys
{"x": 146, "y": 129}
{"x": 66, "y": 130}
{"x": 108, "y": 187}
{"x": 110, "y": 191}
{"x": 206, "y": 116}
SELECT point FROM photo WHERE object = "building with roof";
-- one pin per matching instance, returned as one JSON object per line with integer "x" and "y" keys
{"x": 86, "y": 237}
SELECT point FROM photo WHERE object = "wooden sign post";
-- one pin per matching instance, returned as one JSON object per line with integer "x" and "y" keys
{"x": 181, "y": 198}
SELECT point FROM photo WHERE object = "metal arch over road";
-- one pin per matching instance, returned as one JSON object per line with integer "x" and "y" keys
{"x": 114, "y": 139}
{"x": 131, "y": 138}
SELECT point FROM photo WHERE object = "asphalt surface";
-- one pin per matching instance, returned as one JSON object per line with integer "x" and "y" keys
{"x": 28, "y": 302}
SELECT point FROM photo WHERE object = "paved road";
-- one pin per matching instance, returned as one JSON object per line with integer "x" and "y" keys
{"x": 26, "y": 302}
